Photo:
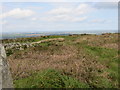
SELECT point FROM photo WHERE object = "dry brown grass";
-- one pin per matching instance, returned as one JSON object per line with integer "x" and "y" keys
{"x": 111, "y": 46}
{"x": 105, "y": 40}
{"x": 68, "y": 59}
{"x": 39, "y": 60}
{"x": 71, "y": 60}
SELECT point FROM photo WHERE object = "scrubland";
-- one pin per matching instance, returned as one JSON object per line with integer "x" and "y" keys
{"x": 80, "y": 61}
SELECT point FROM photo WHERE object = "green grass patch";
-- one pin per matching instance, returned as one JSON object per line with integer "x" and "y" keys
{"x": 107, "y": 57}
{"x": 103, "y": 53}
{"x": 100, "y": 82}
{"x": 49, "y": 79}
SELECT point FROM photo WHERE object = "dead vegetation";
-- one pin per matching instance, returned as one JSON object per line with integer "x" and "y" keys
{"x": 104, "y": 40}
{"x": 69, "y": 58}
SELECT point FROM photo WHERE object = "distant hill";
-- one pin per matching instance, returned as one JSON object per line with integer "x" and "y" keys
{"x": 35, "y": 34}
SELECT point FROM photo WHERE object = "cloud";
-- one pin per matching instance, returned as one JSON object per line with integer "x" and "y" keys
{"x": 80, "y": 9}
{"x": 63, "y": 18}
{"x": 3, "y": 22}
{"x": 98, "y": 21}
{"x": 78, "y": 19}
{"x": 83, "y": 9}
{"x": 34, "y": 7}
{"x": 1, "y": 7}
{"x": 34, "y": 19}
{"x": 17, "y": 13}
{"x": 60, "y": 10}
{"x": 68, "y": 14}
{"x": 106, "y": 5}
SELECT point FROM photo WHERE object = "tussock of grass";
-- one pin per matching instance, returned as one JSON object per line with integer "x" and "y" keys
{"x": 49, "y": 79}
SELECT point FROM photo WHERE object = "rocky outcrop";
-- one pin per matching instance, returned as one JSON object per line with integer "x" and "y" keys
{"x": 5, "y": 76}
{"x": 11, "y": 47}
{"x": 16, "y": 45}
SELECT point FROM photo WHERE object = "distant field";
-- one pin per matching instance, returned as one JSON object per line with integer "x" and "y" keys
{"x": 18, "y": 35}
{"x": 24, "y": 35}
{"x": 79, "y": 61}
{"x": 37, "y": 34}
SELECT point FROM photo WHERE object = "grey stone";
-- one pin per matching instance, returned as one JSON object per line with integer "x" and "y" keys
{"x": 5, "y": 75}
